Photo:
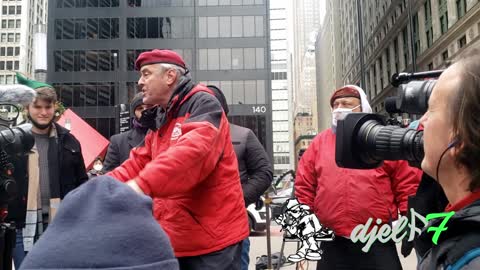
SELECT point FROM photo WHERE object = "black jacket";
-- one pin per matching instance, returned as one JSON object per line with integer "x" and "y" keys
{"x": 462, "y": 236}
{"x": 253, "y": 164}
{"x": 66, "y": 171}
{"x": 120, "y": 146}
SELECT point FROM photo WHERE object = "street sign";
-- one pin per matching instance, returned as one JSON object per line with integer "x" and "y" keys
{"x": 124, "y": 117}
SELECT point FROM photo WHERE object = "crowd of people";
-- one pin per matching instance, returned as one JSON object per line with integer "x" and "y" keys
{"x": 197, "y": 172}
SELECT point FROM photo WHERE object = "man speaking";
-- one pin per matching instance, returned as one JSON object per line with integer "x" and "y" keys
{"x": 188, "y": 166}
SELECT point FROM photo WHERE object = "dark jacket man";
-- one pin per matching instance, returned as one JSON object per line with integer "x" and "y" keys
{"x": 253, "y": 163}
{"x": 68, "y": 173}
{"x": 121, "y": 144}
{"x": 255, "y": 169}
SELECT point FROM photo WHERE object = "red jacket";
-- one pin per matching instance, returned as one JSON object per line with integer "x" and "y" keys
{"x": 190, "y": 169}
{"x": 343, "y": 198}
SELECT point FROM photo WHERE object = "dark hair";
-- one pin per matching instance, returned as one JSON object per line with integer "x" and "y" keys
{"x": 465, "y": 107}
{"x": 220, "y": 96}
{"x": 46, "y": 94}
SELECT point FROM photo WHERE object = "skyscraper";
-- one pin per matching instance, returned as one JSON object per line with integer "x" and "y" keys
{"x": 281, "y": 92}
{"x": 18, "y": 20}
{"x": 306, "y": 21}
{"x": 93, "y": 46}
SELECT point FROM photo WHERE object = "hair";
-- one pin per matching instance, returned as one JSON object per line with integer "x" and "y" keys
{"x": 465, "y": 109}
{"x": 178, "y": 69}
{"x": 46, "y": 94}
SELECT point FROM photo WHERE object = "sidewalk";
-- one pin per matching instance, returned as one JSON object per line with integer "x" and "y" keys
{"x": 258, "y": 247}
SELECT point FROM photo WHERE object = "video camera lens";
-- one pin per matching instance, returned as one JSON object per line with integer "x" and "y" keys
{"x": 363, "y": 142}
{"x": 17, "y": 140}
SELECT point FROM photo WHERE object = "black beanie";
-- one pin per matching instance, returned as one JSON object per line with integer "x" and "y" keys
{"x": 220, "y": 96}
{"x": 103, "y": 224}
{"x": 136, "y": 101}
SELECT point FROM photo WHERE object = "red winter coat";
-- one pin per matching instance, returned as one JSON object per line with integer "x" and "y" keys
{"x": 343, "y": 198}
{"x": 189, "y": 167}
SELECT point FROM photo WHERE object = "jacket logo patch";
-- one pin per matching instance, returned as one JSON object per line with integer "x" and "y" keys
{"x": 177, "y": 132}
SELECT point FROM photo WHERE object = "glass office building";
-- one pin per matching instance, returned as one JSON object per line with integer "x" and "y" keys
{"x": 93, "y": 44}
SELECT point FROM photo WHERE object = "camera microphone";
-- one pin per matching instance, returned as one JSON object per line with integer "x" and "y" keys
{"x": 16, "y": 94}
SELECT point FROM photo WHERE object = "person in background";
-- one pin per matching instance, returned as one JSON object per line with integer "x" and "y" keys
{"x": 97, "y": 168}
{"x": 54, "y": 167}
{"x": 188, "y": 166}
{"x": 95, "y": 229}
{"x": 452, "y": 157}
{"x": 256, "y": 172}
{"x": 343, "y": 198}
{"x": 121, "y": 144}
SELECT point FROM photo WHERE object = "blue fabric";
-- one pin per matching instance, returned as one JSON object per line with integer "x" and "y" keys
{"x": 468, "y": 257}
{"x": 18, "y": 252}
{"x": 245, "y": 252}
{"x": 103, "y": 224}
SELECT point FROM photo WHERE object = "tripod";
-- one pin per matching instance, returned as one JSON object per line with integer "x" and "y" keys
{"x": 7, "y": 241}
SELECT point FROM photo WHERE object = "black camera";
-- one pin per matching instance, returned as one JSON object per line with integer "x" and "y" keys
{"x": 365, "y": 140}
{"x": 13, "y": 141}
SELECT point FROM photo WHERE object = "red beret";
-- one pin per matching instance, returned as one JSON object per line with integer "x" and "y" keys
{"x": 159, "y": 56}
{"x": 346, "y": 91}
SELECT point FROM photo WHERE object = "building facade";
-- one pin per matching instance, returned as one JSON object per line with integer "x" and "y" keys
{"x": 93, "y": 46}
{"x": 306, "y": 24}
{"x": 281, "y": 90}
{"x": 328, "y": 62}
{"x": 18, "y": 20}
{"x": 439, "y": 30}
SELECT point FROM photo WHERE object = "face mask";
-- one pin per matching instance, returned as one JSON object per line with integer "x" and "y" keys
{"x": 97, "y": 167}
{"x": 339, "y": 114}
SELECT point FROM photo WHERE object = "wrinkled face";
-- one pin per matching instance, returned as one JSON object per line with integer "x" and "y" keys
{"x": 347, "y": 103}
{"x": 156, "y": 84}
{"x": 139, "y": 110}
{"x": 41, "y": 113}
{"x": 437, "y": 124}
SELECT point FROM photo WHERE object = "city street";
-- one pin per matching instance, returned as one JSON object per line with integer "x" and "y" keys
{"x": 258, "y": 247}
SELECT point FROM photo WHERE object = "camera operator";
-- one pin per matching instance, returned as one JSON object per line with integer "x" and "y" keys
{"x": 452, "y": 157}
{"x": 344, "y": 198}
{"x": 54, "y": 168}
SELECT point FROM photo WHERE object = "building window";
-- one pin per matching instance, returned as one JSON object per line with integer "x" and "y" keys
{"x": 416, "y": 36}
{"x": 156, "y": 3}
{"x": 406, "y": 49}
{"x": 231, "y": 26}
{"x": 462, "y": 42}
{"x": 445, "y": 55}
{"x": 231, "y": 59}
{"x": 91, "y": 28}
{"x": 90, "y": 60}
{"x": 461, "y": 8}
{"x": 86, "y": 94}
{"x": 230, "y": 2}
{"x": 87, "y": 3}
{"x": 443, "y": 13}
{"x": 160, "y": 27}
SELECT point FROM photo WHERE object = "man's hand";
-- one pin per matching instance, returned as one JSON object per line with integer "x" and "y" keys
{"x": 133, "y": 184}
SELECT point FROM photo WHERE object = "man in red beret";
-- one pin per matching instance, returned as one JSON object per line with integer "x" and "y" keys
{"x": 344, "y": 198}
{"x": 188, "y": 166}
